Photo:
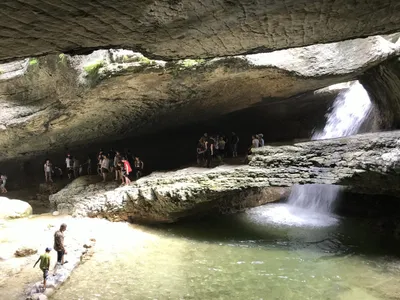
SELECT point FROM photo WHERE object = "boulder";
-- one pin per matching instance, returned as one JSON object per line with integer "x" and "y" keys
{"x": 150, "y": 96}
{"x": 13, "y": 208}
{"x": 367, "y": 163}
{"x": 25, "y": 251}
{"x": 184, "y": 28}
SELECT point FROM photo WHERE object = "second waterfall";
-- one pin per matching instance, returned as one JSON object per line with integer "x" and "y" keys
{"x": 350, "y": 110}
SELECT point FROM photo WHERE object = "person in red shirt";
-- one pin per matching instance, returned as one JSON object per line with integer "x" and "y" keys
{"x": 125, "y": 170}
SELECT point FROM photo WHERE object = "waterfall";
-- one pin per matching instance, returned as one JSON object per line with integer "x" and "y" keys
{"x": 350, "y": 109}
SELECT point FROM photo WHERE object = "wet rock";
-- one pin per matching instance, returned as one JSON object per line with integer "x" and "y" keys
{"x": 25, "y": 251}
{"x": 37, "y": 296}
{"x": 76, "y": 252}
{"x": 13, "y": 208}
{"x": 56, "y": 213}
{"x": 367, "y": 163}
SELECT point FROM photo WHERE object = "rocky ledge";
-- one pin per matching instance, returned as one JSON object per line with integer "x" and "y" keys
{"x": 365, "y": 163}
{"x": 167, "y": 197}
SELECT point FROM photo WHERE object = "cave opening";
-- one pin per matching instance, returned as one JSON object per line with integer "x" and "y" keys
{"x": 335, "y": 210}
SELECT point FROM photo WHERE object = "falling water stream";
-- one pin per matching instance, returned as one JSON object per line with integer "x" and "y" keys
{"x": 311, "y": 205}
{"x": 350, "y": 109}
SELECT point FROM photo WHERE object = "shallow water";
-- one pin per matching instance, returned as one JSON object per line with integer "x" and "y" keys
{"x": 247, "y": 256}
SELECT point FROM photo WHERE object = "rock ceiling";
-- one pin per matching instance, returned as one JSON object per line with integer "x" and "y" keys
{"x": 58, "y": 101}
{"x": 173, "y": 29}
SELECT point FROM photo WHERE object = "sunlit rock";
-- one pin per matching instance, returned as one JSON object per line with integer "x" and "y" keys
{"x": 12, "y": 208}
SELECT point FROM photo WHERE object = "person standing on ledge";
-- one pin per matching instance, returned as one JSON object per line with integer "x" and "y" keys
{"x": 59, "y": 244}
{"x": 139, "y": 166}
{"x": 105, "y": 164}
{"x": 44, "y": 265}
{"x": 209, "y": 145}
{"x": 234, "y": 144}
{"x": 48, "y": 169}
{"x": 3, "y": 180}
{"x": 69, "y": 165}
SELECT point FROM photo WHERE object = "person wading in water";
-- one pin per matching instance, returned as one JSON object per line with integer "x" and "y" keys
{"x": 59, "y": 245}
{"x": 44, "y": 265}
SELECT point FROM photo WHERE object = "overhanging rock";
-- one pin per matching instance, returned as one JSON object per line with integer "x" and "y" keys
{"x": 58, "y": 101}
{"x": 173, "y": 29}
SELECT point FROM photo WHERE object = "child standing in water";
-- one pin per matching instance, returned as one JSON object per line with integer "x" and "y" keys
{"x": 44, "y": 265}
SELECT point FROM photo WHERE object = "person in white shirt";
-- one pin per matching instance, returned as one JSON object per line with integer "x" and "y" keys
{"x": 105, "y": 164}
{"x": 255, "y": 143}
{"x": 48, "y": 169}
{"x": 69, "y": 163}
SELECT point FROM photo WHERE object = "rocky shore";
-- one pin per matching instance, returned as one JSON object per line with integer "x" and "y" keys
{"x": 19, "y": 249}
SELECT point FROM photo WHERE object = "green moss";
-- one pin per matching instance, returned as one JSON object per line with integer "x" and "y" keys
{"x": 33, "y": 61}
{"x": 62, "y": 58}
{"x": 93, "y": 69}
{"x": 145, "y": 61}
{"x": 188, "y": 63}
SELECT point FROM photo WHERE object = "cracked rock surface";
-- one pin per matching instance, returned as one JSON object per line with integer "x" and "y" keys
{"x": 173, "y": 29}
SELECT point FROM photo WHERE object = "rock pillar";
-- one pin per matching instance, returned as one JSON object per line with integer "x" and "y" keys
{"x": 383, "y": 86}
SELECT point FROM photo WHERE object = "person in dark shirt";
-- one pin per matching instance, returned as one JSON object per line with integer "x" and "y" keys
{"x": 200, "y": 151}
{"x": 234, "y": 144}
{"x": 138, "y": 166}
{"x": 59, "y": 244}
{"x": 209, "y": 145}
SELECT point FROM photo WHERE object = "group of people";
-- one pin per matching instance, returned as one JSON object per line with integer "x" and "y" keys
{"x": 124, "y": 165}
{"x": 220, "y": 146}
{"x": 44, "y": 259}
{"x": 217, "y": 146}
{"x": 257, "y": 140}
{"x": 120, "y": 164}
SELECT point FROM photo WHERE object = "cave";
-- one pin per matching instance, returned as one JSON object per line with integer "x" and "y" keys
{"x": 308, "y": 208}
